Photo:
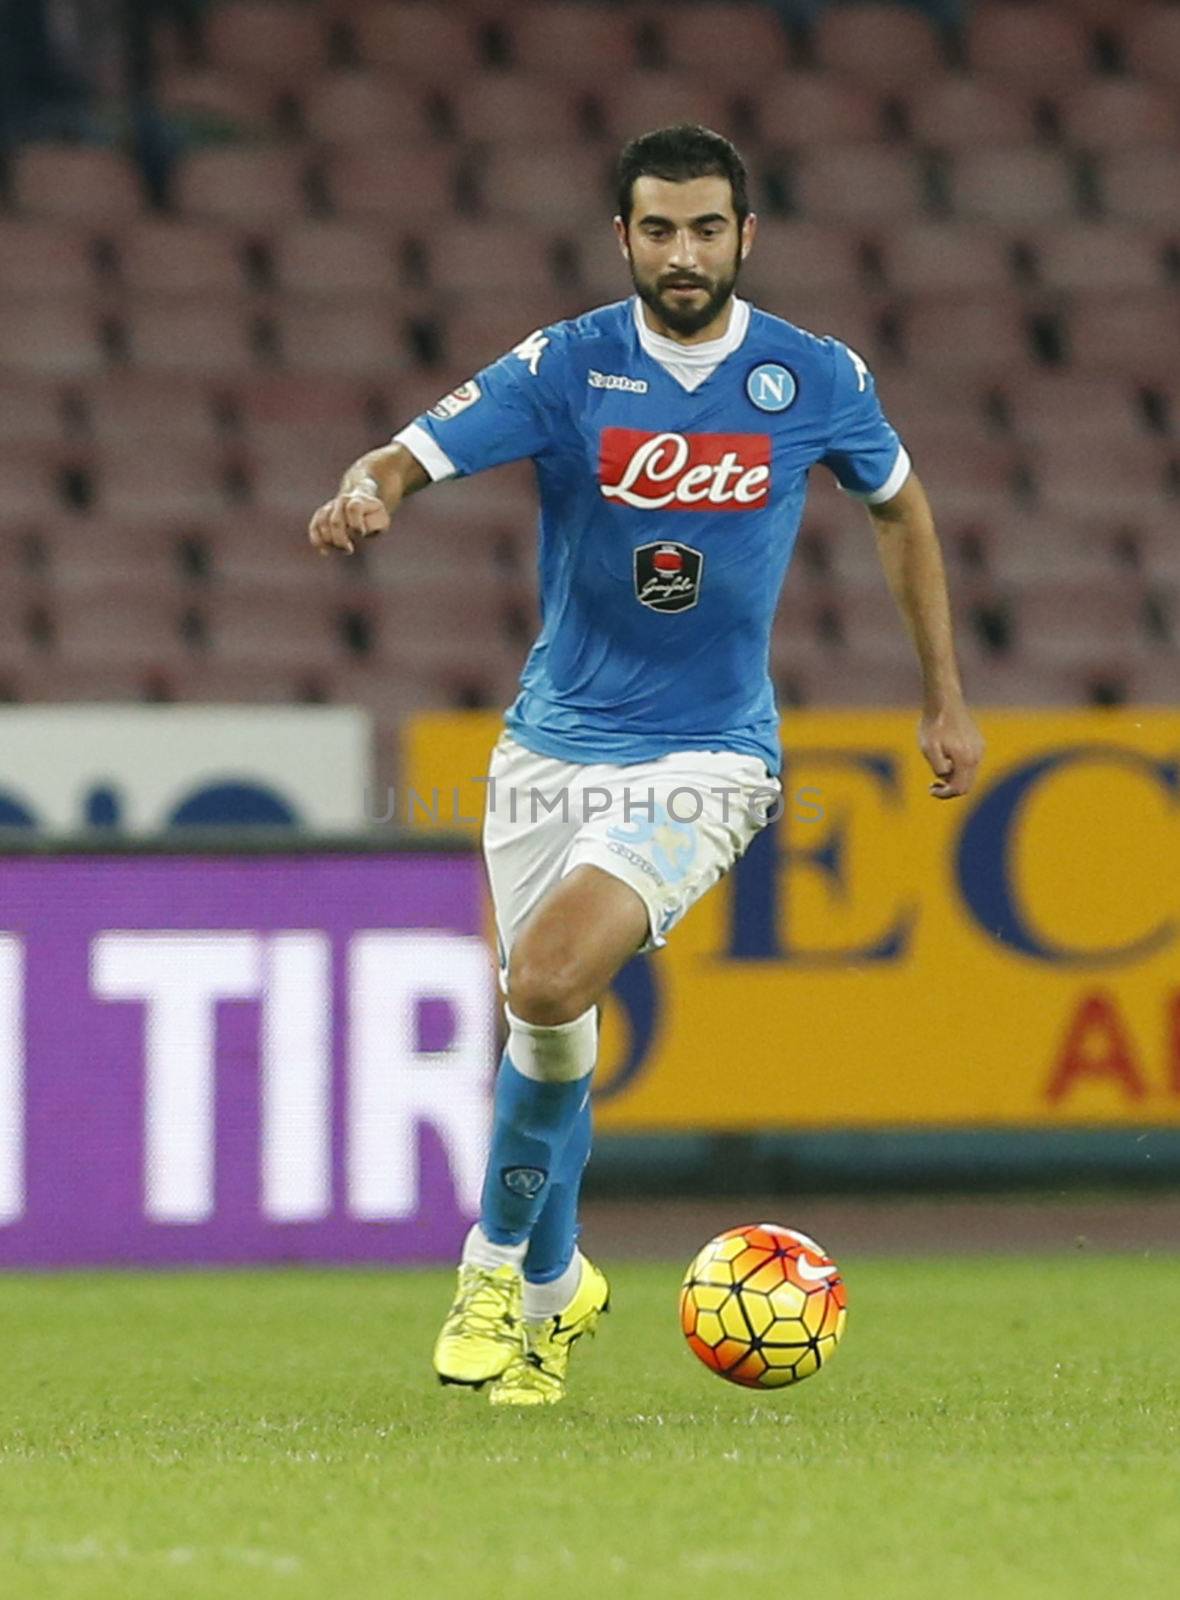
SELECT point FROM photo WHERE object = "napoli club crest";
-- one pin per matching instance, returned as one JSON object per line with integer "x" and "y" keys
{"x": 668, "y": 575}
{"x": 772, "y": 387}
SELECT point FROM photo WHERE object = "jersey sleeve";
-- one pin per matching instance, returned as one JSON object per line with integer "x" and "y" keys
{"x": 865, "y": 454}
{"x": 505, "y": 413}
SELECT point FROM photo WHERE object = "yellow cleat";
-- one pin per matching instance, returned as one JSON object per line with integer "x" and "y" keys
{"x": 483, "y": 1332}
{"x": 537, "y": 1377}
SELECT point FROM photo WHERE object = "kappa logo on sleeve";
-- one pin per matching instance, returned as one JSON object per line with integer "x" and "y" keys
{"x": 531, "y": 350}
{"x": 684, "y": 471}
{"x": 458, "y": 400}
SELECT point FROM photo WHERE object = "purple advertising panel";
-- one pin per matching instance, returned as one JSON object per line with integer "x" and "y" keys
{"x": 238, "y": 1059}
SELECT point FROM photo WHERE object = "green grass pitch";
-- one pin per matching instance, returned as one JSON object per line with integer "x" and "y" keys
{"x": 990, "y": 1430}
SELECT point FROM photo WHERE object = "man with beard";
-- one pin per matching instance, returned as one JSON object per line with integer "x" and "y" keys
{"x": 672, "y": 435}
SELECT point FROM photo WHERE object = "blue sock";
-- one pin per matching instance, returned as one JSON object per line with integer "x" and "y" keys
{"x": 531, "y": 1125}
{"x": 555, "y": 1235}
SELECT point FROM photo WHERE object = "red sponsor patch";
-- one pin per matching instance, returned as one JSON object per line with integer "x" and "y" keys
{"x": 684, "y": 471}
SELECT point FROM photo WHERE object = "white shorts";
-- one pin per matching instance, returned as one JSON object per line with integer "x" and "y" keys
{"x": 670, "y": 828}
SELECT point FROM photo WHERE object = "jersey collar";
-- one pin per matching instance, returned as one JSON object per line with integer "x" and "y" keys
{"x": 691, "y": 364}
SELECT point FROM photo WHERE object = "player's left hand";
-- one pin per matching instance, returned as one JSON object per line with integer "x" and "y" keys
{"x": 953, "y": 745}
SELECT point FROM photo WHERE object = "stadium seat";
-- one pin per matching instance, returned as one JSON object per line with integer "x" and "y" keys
{"x": 45, "y": 258}
{"x": 143, "y": 406}
{"x": 1127, "y": 475}
{"x": 635, "y": 103}
{"x": 195, "y": 337}
{"x": 1134, "y": 335}
{"x": 78, "y": 183}
{"x": 802, "y": 110}
{"x": 1118, "y": 114}
{"x": 190, "y": 486}
{"x": 512, "y": 109}
{"x": 956, "y": 113}
{"x": 42, "y": 677}
{"x": 1142, "y": 185}
{"x": 363, "y": 337}
{"x": 337, "y": 259}
{"x": 549, "y": 187}
{"x": 1063, "y": 621}
{"x": 941, "y": 258}
{"x": 1094, "y": 257}
{"x": 293, "y": 630}
{"x": 172, "y": 257}
{"x": 266, "y": 39}
{"x": 468, "y": 257}
{"x": 116, "y": 626}
{"x": 1151, "y": 35}
{"x": 31, "y": 411}
{"x": 858, "y": 184}
{"x": 881, "y": 45}
{"x": 977, "y": 334}
{"x": 30, "y": 478}
{"x": 1032, "y": 46}
{"x": 1014, "y": 186}
{"x": 1051, "y": 405}
{"x": 424, "y": 42}
{"x": 365, "y": 108}
{"x": 402, "y": 186}
{"x": 578, "y": 44}
{"x": 733, "y": 46}
{"x": 801, "y": 258}
{"x": 213, "y": 102}
{"x": 481, "y": 329}
{"x": 250, "y": 187}
{"x": 291, "y": 405}
{"x": 54, "y": 339}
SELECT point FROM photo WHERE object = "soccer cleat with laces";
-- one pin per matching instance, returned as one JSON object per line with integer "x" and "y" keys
{"x": 537, "y": 1377}
{"x": 483, "y": 1332}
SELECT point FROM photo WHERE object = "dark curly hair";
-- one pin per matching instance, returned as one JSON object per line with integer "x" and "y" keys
{"x": 677, "y": 154}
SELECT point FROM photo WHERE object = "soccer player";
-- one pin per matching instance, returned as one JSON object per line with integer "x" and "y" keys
{"x": 672, "y": 434}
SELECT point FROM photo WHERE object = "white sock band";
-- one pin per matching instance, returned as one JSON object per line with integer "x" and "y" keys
{"x": 560, "y": 1054}
{"x": 550, "y": 1299}
{"x": 479, "y": 1251}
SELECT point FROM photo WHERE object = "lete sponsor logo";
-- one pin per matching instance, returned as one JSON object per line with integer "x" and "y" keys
{"x": 684, "y": 471}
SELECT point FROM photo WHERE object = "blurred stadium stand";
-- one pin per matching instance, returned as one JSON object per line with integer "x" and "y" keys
{"x": 340, "y": 210}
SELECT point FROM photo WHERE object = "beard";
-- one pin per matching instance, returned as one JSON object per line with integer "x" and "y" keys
{"x": 656, "y": 294}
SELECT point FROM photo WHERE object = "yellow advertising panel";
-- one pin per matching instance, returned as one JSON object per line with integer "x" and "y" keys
{"x": 880, "y": 957}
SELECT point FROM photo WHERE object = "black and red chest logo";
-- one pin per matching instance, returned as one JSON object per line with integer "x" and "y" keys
{"x": 684, "y": 471}
{"x": 668, "y": 575}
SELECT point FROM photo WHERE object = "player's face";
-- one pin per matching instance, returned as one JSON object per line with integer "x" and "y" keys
{"x": 685, "y": 250}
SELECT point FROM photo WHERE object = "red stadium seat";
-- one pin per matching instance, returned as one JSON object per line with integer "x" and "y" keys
{"x": 966, "y": 114}
{"x": 45, "y": 258}
{"x": 730, "y": 46}
{"x": 362, "y": 337}
{"x": 365, "y": 108}
{"x": 247, "y": 186}
{"x": 983, "y": 335}
{"x": 1092, "y": 257}
{"x": 120, "y": 627}
{"x": 1125, "y": 476}
{"x": 483, "y": 258}
{"x": 288, "y": 629}
{"x": 1033, "y": 46}
{"x": 602, "y": 272}
{"x": 195, "y": 337}
{"x": 511, "y": 109}
{"x": 53, "y": 339}
{"x": 265, "y": 39}
{"x": 191, "y": 486}
{"x": 1062, "y": 621}
{"x": 30, "y": 481}
{"x": 143, "y": 406}
{"x": 1135, "y": 335}
{"x": 803, "y": 110}
{"x": 337, "y": 259}
{"x": 31, "y": 410}
{"x": 479, "y": 330}
{"x": 801, "y": 258}
{"x": 859, "y": 184}
{"x": 581, "y": 44}
{"x": 878, "y": 44}
{"x": 637, "y": 102}
{"x": 221, "y": 101}
{"x": 549, "y": 187}
{"x": 78, "y": 183}
{"x": 1118, "y": 114}
{"x": 402, "y": 186}
{"x": 1014, "y": 186}
{"x": 1054, "y": 405}
{"x": 424, "y": 42}
{"x": 289, "y": 404}
{"x": 1142, "y": 186}
{"x": 181, "y": 258}
{"x": 1152, "y": 38}
{"x": 941, "y": 258}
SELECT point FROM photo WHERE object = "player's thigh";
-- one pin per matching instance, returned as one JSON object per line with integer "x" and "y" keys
{"x": 585, "y": 928}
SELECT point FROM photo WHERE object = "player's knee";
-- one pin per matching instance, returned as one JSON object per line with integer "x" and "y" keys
{"x": 546, "y": 993}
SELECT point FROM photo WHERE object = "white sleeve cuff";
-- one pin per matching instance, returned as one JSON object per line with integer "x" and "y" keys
{"x": 426, "y": 453}
{"x": 893, "y": 483}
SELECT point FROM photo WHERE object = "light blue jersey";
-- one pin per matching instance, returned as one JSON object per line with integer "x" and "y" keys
{"x": 668, "y": 517}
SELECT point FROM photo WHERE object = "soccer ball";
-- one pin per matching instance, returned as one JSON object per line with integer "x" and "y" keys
{"x": 763, "y": 1306}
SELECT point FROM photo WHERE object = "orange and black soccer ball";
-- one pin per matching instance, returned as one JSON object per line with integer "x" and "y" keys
{"x": 763, "y": 1306}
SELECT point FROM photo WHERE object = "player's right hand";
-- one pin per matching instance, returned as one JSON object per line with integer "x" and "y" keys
{"x": 339, "y": 522}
